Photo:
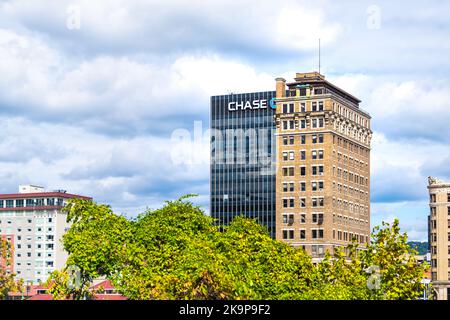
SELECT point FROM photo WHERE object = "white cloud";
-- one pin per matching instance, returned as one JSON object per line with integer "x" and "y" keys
{"x": 300, "y": 27}
{"x": 178, "y": 25}
{"x": 107, "y": 91}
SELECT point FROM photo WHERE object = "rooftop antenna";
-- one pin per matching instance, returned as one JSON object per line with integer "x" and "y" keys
{"x": 319, "y": 55}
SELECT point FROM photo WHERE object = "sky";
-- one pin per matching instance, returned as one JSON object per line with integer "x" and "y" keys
{"x": 92, "y": 93}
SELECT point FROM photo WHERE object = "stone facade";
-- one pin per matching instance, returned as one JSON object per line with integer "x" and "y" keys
{"x": 323, "y": 165}
{"x": 439, "y": 236}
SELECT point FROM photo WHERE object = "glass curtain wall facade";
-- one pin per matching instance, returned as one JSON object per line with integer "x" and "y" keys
{"x": 243, "y": 155}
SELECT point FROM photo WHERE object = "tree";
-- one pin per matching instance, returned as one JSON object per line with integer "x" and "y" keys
{"x": 393, "y": 261}
{"x": 177, "y": 252}
{"x": 7, "y": 281}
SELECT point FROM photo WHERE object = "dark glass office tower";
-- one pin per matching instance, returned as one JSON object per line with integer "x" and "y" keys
{"x": 243, "y": 158}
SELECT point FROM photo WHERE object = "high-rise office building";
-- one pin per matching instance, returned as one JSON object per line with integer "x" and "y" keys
{"x": 33, "y": 220}
{"x": 439, "y": 236}
{"x": 323, "y": 172}
{"x": 315, "y": 190}
{"x": 243, "y": 158}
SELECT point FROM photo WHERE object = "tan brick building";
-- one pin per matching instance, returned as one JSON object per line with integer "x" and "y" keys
{"x": 323, "y": 165}
{"x": 439, "y": 236}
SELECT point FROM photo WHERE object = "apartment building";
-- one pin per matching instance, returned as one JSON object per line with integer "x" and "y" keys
{"x": 439, "y": 236}
{"x": 32, "y": 218}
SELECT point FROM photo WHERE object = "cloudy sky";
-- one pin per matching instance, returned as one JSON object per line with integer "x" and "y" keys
{"x": 91, "y": 92}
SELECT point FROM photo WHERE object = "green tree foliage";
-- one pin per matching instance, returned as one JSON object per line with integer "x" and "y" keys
{"x": 7, "y": 281}
{"x": 397, "y": 267}
{"x": 176, "y": 252}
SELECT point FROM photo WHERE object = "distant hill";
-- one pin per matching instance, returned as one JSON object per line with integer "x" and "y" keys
{"x": 420, "y": 247}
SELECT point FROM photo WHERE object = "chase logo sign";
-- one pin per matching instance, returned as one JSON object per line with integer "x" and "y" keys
{"x": 252, "y": 105}
{"x": 273, "y": 104}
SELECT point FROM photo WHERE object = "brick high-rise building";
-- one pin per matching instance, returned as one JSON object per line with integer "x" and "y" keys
{"x": 439, "y": 236}
{"x": 323, "y": 165}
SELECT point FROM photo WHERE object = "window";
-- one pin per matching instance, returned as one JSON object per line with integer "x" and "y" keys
{"x": 9, "y": 203}
{"x": 317, "y": 170}
{"x": 303, "y": 171}
{"x": 302, "y": 202}
{"x": 317, "y": 154}
{"x": 288, "y": 187}
{"x": 317, "y": 185}
{"x": 30, "y": 202}
{"x": 317, "y": 202}
{"x": 320, "y": 104}
{"x": 302, "y": 124}
{"x": 288, "y": 171}
{"x": 288, "y": 203}
{"x": 448, "y": 211}
{"x": 302, "y": 139}
{"x": 302, "y": 106}
{"x": 50, "y": 201}
{"x": 288, "y": 125}
{"x": 288, "y": 108}
{"x": 288, "y": 155}
{"x": 313, "y": 106}
{"x": 302, "y": 186}
{"x": 19, "y": 203}
{"x": 432, "y": 198}
{"x": 288, "y": 234}
{"x": 317, "y": 233}
{"x": 317, "y": 217}
{"x": 302, "y": 234}
{"x": 288, "y": 140}
{"x": 288, "y": 218}
{"x": 314, "y": 139}
{"x": 303, "y": 156}
{"x": 317, "y": 123}
{"x": 448, "y": 197}
{"x": 302, "y": 218}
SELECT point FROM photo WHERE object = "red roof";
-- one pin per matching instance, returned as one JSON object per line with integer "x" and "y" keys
{"x": 106, "y": 284}
{"x": 109, "y": 297}
{"x": 32, "y": 292}
{"x": 43, "y": 195}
